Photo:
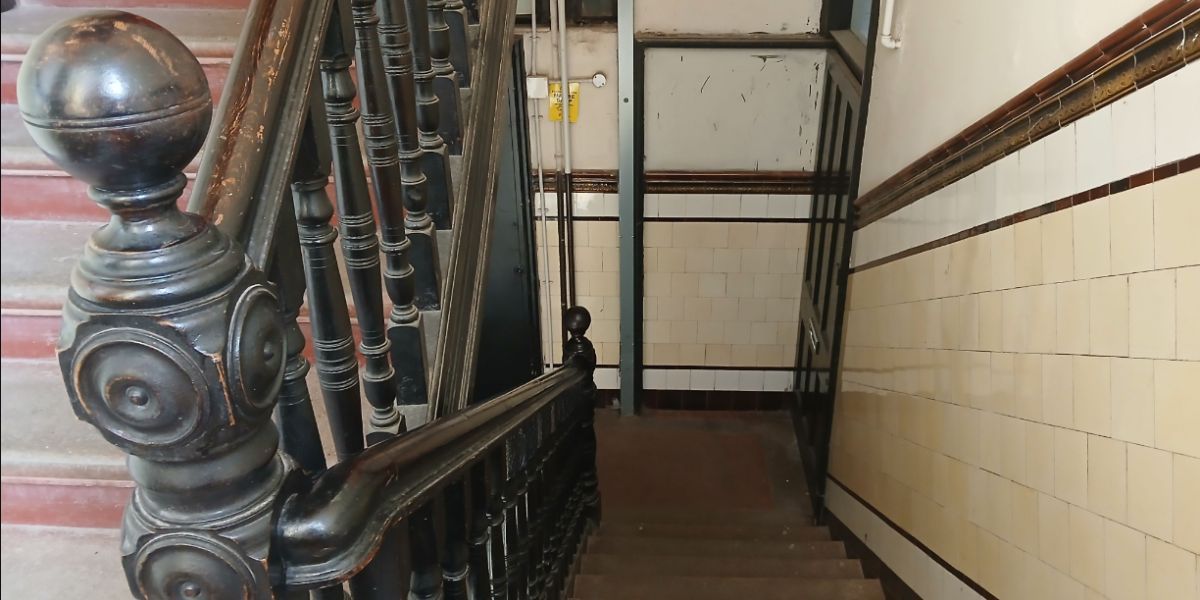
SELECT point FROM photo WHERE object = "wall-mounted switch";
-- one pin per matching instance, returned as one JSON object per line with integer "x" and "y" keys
{"x": 536, "y": 86}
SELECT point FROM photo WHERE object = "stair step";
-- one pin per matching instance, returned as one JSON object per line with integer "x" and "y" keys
{"x": 719, "y": 566}
{"x": 602, "y": 544}
{"x": 737, "y": 517}
{"x": 657, "y": 587}
{"x": 53, "y": 562}
{"x": 764, "y": 532}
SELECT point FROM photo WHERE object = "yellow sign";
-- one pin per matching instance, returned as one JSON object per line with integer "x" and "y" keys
{"x": 556, "y": 101}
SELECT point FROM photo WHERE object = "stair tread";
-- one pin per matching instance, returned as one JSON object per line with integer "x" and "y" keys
{"x": 722, "y": 566}
{"x": 210, "y": 33}
{"x": 659, "y": 587}
{"x": 709, "y": 547}
{"x": 740, "y": 517}
{"x": 35, "y": 559}
{"x": 753, "y": 531}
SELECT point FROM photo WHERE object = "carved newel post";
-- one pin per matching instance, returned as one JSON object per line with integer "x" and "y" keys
{"x": 172, "y": 344}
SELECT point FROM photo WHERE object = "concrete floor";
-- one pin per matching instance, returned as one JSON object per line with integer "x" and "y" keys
{"x": 701, "y": 461}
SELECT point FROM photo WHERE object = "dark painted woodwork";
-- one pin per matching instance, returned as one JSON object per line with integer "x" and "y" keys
{"x": 173, "y": 345}
{"x": 435, "y": 157}
{"x": 396, "y": 46}
{"x": 446, "y": 81}
{"x": 458, "y": 21}
{"x": 356, "y": 220}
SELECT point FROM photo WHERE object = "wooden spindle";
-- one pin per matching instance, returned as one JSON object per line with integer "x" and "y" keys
{"x": 456, "y": 568}
{"x": 379, "y": 127}
{"x": 435, "y": 158}
{"x": 426, "y": 579}
{"x": 446, "y": 82}
{"x": 457, "y": 22}
{"x": 396, "y": 45}
{"x": 356, "y": 223}
{"x": 333, "y": 341}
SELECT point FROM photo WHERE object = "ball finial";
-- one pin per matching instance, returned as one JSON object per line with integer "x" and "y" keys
{"x": 115, "y": 100}
{"x": 577, "y": 320}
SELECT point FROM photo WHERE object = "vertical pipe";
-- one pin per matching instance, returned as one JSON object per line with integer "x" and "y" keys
{"x": 547, "y": 352}
{"x": 568, "y": 202}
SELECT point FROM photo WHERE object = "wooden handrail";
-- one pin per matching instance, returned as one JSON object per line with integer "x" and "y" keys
{"x": 246, "y": 170}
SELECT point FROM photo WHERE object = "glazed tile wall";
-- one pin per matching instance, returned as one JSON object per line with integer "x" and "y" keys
{"x": 1150, "y": 127}
{"x": 597, "y": 286}
{"x": 1026, "y": 402}
{"x": 721, "y": 294}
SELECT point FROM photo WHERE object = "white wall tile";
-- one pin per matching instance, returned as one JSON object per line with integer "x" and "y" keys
{"x": 1008, "y": 186}
{"x": 612, "y": 204}
{"x": 1094, "y": 150}
{"x": 699, "y": 205}
{"x": 1133, "y": 126}
{"x": 1032, "y": 164}
{"x": 703, "y": 379}
{"x": 1176, "y": 127}
{"x": 781, "y": 206}
{"x": 804, "y": 206}
{"x": 754, "y": 205}
{"x": 672, "y": 205}
{"x": 778, "y": 381}
{"x": 750, "y": 381}
{"x": 650, "y": 205}
{"x": 654, "y": 379}
{"x": 1060, "y": 163}
{"x": 727, "y": 380}
{"x": 607, "y": 378}
{"x": 679, "y": 379}
{"x": 727, "y": 205}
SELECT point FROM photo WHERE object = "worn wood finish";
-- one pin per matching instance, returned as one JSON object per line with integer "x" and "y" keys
{"x": 435, "y": 157}
{"x": 446, "y": 81}
{"x": 396, "y": 46}
{"x": 173, "y": 345}
{"x": 458, "y": 20}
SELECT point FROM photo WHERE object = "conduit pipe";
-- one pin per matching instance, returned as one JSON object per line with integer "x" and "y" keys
{"x": 885, "y": 37}
{"x": 548, "y": 350}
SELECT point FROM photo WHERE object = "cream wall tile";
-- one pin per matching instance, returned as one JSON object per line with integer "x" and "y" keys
{"x": 1091, "y": 237}
{"x": 1131, "y": 230}
{"x": 1074, "y": 317}
{"x": 1152, "y": 314}
{"x": 1170, "y": 572}
{"x": 743, "y": 235}
{"x": 1133, "y": 127}
{"x": 1093, "y": 394}
{"x": 1054, "y": 532}
{"x": 698, "y": 260}
{"x": 1070, "y": 466}
{"x": 1058, "y": 390}
{"x": 1027, "y": 257}
{"x": 1149, "y": 490}
{"x": 1027, "y": 386}
{"x": 1106, "y": 477}
{"x": 1125, "y": 562}
{"x": 718, "y": 355}
{"x": 1185, "y": 480}
{"x": 1133, "y": 400}
{"x": 1176, "y": 211}
{"x": 1109, "y": 304}
{"x": 691, "y": 354}
{"x": 1177, "y": 406}
{"x": 1187, "y": 302}
{"x": 1039, "y": 456}
{"x": 1087, "y": 548}
{"x": 1058, "y": 254}
{"x": 1024, "y": 518}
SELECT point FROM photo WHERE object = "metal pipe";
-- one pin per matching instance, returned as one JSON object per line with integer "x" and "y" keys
{"x": 564, "y": 81}
{"x": 547, "y": 352}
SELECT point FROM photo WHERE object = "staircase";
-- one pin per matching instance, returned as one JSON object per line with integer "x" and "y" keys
{"x": 667, "y": 555}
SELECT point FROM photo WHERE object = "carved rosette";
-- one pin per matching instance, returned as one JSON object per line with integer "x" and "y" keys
{"x": 172, "y": 344}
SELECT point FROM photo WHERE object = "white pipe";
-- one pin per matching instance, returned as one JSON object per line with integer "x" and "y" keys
{"x": 547, "y": 308}
{"x": 889, "y": 42}
{"x": 565, "y": 83}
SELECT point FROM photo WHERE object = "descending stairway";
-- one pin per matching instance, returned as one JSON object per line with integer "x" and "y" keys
{"x": 667, "y": 555}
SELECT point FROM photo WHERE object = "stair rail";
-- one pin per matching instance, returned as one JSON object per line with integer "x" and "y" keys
{"x": 183, "y": 339}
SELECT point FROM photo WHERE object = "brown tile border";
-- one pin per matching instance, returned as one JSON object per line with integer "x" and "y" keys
{"x": 705, "y": 182}
{"x": 1156, "y": 43}
{"x": 1114, "y": 187}
{"x": 872, "y": 561}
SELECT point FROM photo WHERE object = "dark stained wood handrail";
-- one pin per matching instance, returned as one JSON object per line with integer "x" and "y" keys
{"x": 247, "y": 166}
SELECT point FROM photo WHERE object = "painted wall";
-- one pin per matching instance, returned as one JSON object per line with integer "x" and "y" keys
{"x": 721, "y": 16}
{"x": 1024, "y": 402}
{"x": 960, "y": 60}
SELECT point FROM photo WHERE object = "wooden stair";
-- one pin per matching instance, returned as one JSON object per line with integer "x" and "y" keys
{"x": 671, "y": 555}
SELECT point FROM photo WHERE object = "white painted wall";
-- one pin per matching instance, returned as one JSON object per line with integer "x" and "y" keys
{"x": 723, "y": 16}
{"x": 742, "y": 110}
{"x": 961, "y": 60}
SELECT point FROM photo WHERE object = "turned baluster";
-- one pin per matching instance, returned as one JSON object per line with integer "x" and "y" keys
{"x": 332, "y": 337}
{"x": 446, "y": 81}
{"x": 457, "y": 23}
{"x": 405, "y": 325}
{"x": 172, "y": 345}
{"x": 435, "y": 158}
{"x": 396, "y": 45}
